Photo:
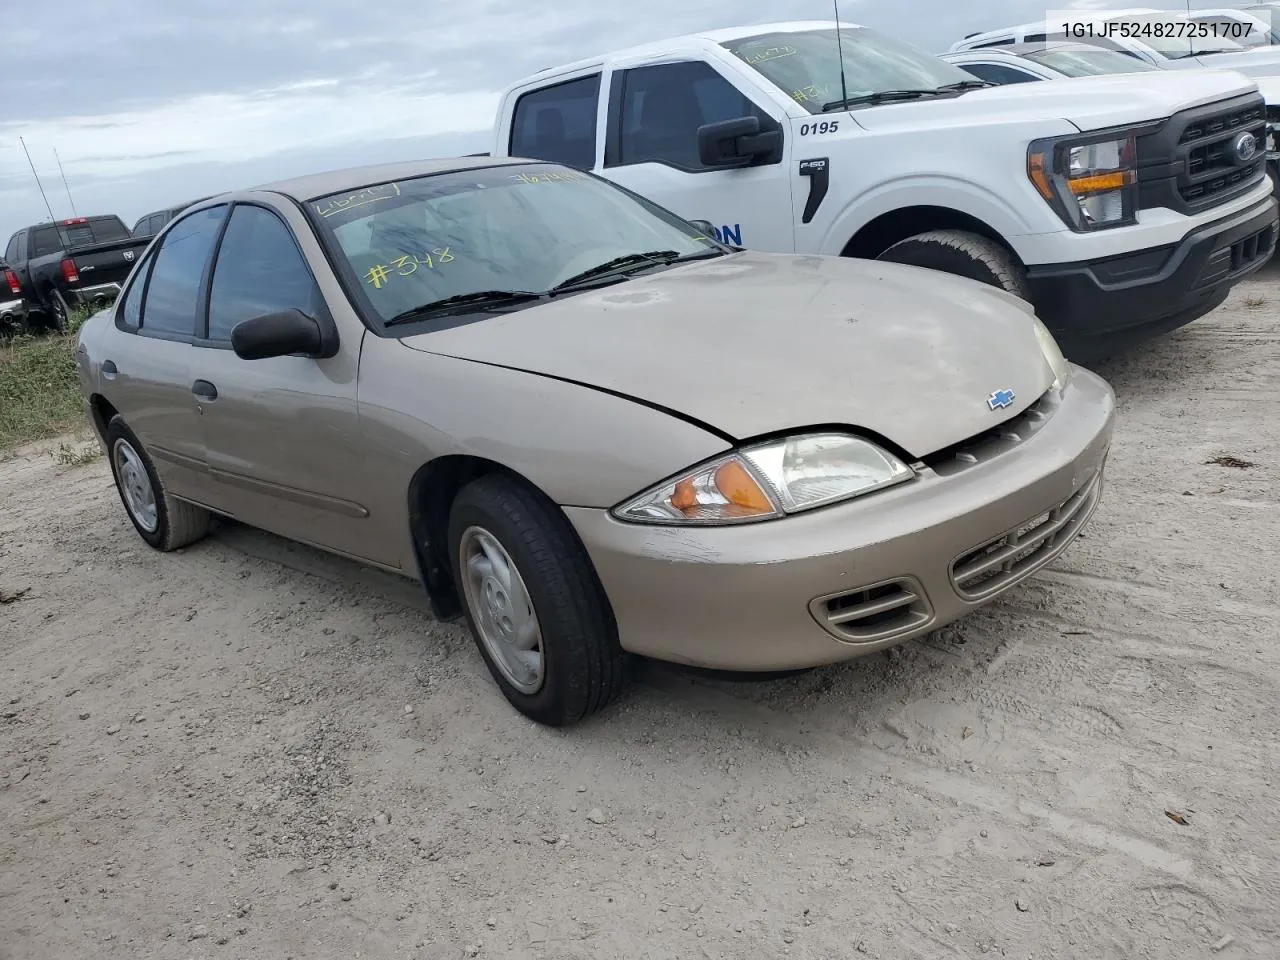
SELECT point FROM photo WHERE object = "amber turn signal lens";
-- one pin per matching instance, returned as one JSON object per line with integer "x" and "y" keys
{"x": 740, "y": 488}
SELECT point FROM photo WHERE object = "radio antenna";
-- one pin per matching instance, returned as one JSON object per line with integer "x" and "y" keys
{"x": 37, "y": 176}
{"x": 844, "y": 89}
{"x": 66, "y": 186}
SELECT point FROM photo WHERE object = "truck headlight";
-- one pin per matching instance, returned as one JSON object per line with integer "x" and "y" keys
{"x": 769, "y": 480}
{"x": 1091, "y": 183}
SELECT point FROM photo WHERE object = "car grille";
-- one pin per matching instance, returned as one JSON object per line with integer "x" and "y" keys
{"x": 875, "y": 612}
{"x": 1000, "y": 563}
{"x": 994, "y": 440}
{"x": 1188, "y": 163}
{"x": 1241, "y": 255}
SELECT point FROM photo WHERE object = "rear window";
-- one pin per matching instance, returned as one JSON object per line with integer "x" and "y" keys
{"x": 65, "y": 236}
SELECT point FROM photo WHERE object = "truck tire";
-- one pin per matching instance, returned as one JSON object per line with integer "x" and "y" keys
{"x": 965, "y": 255}
{"x": 59, "y": 312}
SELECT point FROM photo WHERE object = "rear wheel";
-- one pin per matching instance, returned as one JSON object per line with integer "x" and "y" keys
{"x": 533, "y": 602}
{"x": 59, "y": 312}
{"x": 162, "y": 520}
{"x": 965, "y": 255}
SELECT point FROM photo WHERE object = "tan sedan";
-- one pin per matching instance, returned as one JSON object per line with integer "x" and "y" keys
{"x": 588, "y": 426}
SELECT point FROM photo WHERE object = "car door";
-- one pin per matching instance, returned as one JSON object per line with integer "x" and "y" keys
{"x": 146, "y": 363}
{"x": 281, "y": 435}
{"x": 651, "y": 147}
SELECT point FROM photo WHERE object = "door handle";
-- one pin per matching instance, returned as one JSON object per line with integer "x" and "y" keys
{"x": 204, "y": 390}
{"x": 109, "y": 370}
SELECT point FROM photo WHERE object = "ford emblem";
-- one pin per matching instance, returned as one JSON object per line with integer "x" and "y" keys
{"x": 1245, "y": 146}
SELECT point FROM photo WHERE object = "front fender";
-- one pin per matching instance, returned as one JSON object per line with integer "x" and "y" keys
{"x": 1008, "y": 219}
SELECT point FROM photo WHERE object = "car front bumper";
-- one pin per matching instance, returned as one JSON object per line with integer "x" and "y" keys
{"x": 1102, "y": 307}
{"x": 860, "y": 576}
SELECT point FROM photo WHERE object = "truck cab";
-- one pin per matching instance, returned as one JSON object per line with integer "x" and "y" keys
{"x": 1107, "y": 203}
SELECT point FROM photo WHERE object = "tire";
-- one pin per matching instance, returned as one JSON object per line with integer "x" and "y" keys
{"x": 965, "y": 255}
{"x": 582, "y": 667}
{"x": 59, "y": 312}
{"x": 176, "y": 523}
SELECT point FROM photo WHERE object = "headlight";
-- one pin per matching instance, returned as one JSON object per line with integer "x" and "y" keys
{"x": 1091, "y": 184}
{"x": 769, "y": 480}
{"x": 1053, "y": 355}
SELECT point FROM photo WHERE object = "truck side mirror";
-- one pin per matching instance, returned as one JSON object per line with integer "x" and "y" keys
{"x": 735, "y": 143}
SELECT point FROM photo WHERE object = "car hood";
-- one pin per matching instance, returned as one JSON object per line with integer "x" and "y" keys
{"x": 1254, "y": 63}
{"x": 755, "y": 343}
{"x": 1090, "y": 103}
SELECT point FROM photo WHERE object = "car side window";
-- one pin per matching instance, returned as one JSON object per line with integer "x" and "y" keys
{"x": 11, "y": 251}
{"x": 558, "y": 123}
{"x": 663, "y": 106}
{"x": 173, "y": 292}
{"x": 260, "y": 270}
{"x": 997, "y": 73}
{"x": 131, "y": 305}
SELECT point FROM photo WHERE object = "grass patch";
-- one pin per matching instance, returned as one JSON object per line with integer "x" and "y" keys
{"x": 39, "y": 387}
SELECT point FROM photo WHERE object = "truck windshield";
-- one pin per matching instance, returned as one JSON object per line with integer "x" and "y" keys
{"x": 494, "y": 237}
{"x": 805, "y": 64}
{"x": 1088, "y": 61}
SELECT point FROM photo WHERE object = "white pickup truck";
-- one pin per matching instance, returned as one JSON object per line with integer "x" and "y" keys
{"x": 1120, "y": 207}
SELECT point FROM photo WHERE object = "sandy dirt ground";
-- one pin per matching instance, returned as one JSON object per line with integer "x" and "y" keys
{"x": 250, "y": 749}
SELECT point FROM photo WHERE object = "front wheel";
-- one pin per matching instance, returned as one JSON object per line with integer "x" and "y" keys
{"x": 533, "y": 602}
{"x": 161, "y": 519}
{"x": 965, "y": 255}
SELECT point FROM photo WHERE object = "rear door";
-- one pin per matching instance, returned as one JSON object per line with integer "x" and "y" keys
{"x": 651, "y": 147}
{"x": 146, "y": 370}
{"x": 281, "y": 435}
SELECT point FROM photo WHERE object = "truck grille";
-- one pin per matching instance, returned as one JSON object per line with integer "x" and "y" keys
{"x": 1189, "y": 164}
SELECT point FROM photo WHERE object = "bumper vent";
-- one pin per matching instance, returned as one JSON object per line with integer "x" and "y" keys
{"x": 875, "y": 612}
{"x": 1002, "y": 562}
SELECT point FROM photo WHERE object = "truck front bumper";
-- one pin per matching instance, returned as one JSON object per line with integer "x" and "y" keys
{"x": 1100, "y": 307}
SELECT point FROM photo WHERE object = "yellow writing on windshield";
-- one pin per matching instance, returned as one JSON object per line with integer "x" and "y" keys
{"x": 331, "y": 205}
{"x": 813, "y": 92}
{"x": 773, "y": 53}
{"x": 406, "y": 265}
{"x": 555, "y": 176}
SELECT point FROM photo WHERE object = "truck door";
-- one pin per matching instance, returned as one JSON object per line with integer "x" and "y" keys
{"x": 651, "y": 147}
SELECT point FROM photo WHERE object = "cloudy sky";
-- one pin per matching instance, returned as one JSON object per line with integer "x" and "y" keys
{"x": 158, "y": 101}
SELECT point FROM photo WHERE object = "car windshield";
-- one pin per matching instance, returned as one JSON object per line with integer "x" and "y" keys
{"x": 473, "y": 235}
{"x": 1146, "y": 27}
{"x": 1089, "y": 62}
{"x": 806, "y": 64}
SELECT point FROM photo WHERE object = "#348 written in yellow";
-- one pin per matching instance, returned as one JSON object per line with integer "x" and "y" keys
{"x": 406, "y": 265}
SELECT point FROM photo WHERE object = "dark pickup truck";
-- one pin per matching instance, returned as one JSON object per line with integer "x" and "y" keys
{"x": 77, "y": 262}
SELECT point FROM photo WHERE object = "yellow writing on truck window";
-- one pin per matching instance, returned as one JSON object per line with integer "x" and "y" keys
{"x": 773, "y": 53}
{"x": 813, "y": 92}
{"x": 332, "y": 205}
{"x": 555, "y": 176}
{"x": 406, "y": 265}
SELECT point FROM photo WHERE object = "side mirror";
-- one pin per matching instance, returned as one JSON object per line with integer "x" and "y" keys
{"x": 735, "y": 143}
{"x": 707, "y": 227}
{"x": 284, "y": 334}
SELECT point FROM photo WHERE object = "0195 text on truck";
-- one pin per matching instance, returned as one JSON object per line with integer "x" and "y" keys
{"x": 1121, "y": 207}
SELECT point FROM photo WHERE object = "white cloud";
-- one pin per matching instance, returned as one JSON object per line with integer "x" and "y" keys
{"x": 236, "y": 127}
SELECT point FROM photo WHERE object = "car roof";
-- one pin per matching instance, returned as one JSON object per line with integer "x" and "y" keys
{"x": 316, "y": 185}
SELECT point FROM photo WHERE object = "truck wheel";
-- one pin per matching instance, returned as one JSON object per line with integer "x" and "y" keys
{"x": 965, "y": 255}
{"x": 533, "y": 602}
{"x": 59, "y": 313}
{"x": 161, "y": 519}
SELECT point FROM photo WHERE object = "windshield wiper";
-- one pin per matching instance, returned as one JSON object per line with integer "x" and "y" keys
{"x": 964, "y": 85}
{"x": 618, "y": 265}
{"x": 481, "y": 298}
{"x": 629, "y": 264}
{"x": 880, "y": 96}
